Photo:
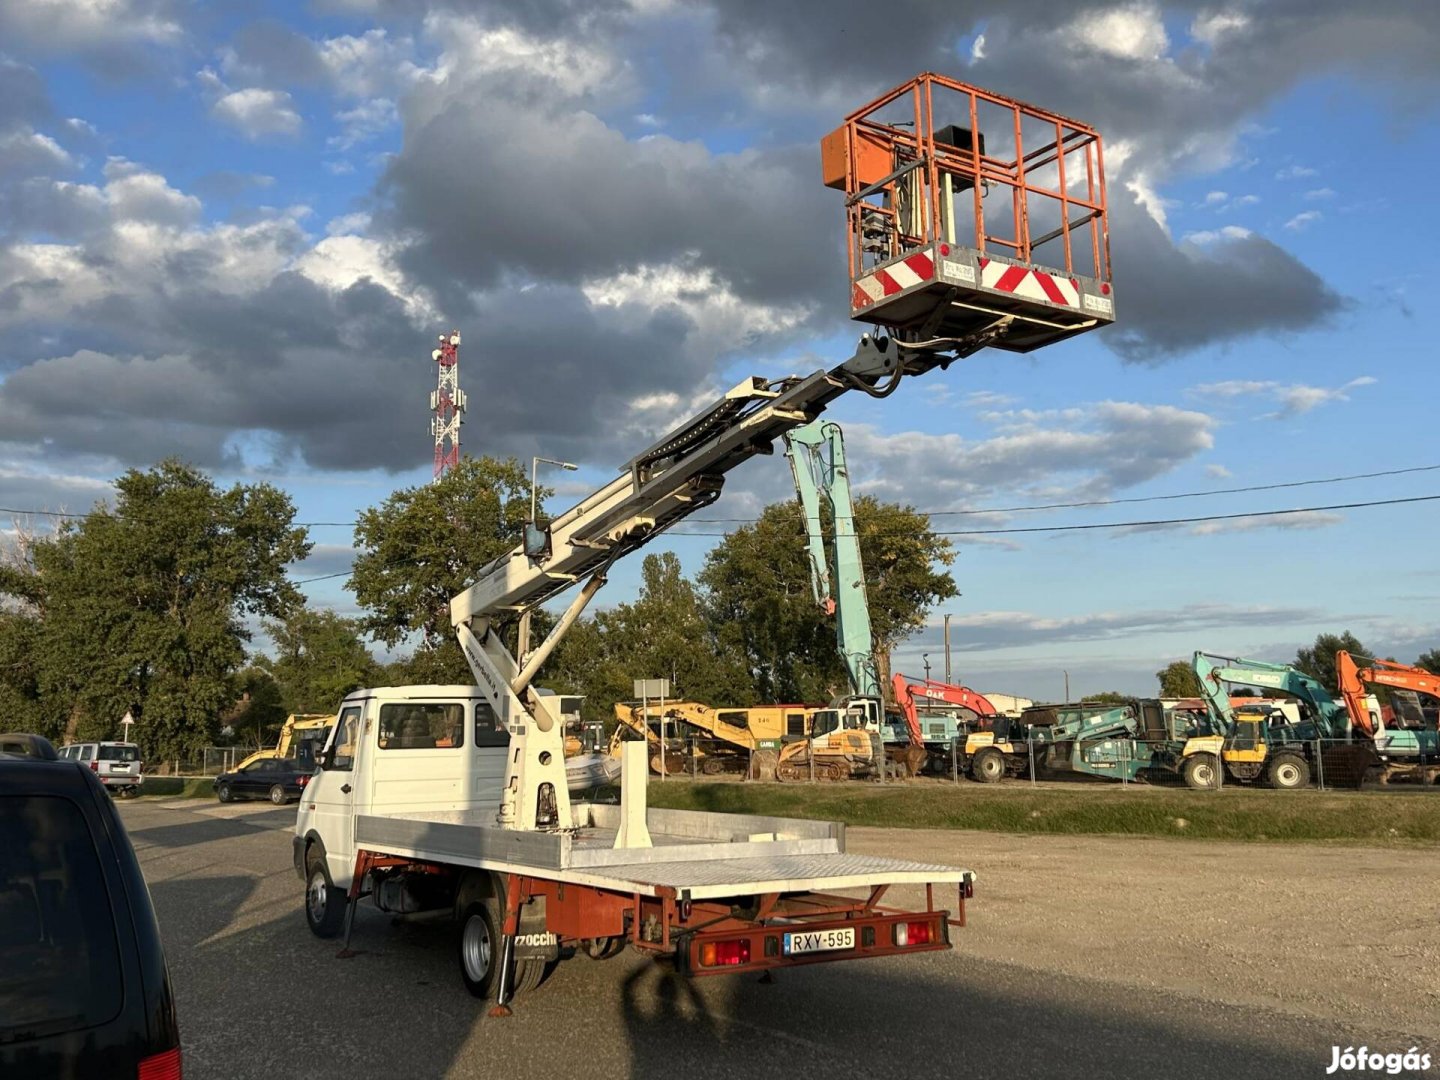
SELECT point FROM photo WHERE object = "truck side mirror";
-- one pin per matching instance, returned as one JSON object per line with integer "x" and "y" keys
{"x": 322, "y": 758}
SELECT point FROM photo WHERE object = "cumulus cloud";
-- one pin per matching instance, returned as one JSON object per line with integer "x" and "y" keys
{"x": 1294, "y": 399}
{"x": 257, "y": 113}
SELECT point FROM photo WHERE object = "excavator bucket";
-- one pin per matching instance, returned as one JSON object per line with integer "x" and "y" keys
{"x": 965, "y": 209}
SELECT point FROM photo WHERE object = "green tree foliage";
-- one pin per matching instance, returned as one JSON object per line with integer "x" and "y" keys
{"x": 141, "y": 607}
{"x": 425, "y": 544}
{"x": 319, "y": 658}
{"x": 663, "y": 634}
{"x": 1430, "y": 661}
{"x": 1319, "y": 659}
{"x": 758, "y": 591}
{"x": 258, "y": 716}
{"x": 1107, "y": 697}
{"x": 1178, "y": 680}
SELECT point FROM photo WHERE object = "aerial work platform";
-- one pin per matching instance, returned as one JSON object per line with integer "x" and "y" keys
{"x": 964, "y": 207}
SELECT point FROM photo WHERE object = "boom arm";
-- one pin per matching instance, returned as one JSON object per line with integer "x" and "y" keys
{"x": 822, "y": 480}
{"x": 1215, "y": 671}
{"x": 1382, "y": 673}
{"x": 678, "y": 475}
{"x": 905, "y": 692}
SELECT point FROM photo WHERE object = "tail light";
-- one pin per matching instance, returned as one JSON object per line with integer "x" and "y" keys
{"x": 913, "y": 933}
{"x": 94, "y": 766}
{"x": 724, "y": 953}
{"x": 303, "y": 780}
{"x": 164, "y": 1066}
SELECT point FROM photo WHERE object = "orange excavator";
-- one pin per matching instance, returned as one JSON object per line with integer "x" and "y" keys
{"x": 940, "y": 728}
{"x": 1402, "y": 749}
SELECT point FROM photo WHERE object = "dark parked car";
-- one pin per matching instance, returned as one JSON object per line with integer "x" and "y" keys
{"x": 276, "y": 779}
{"x": 84, "y": 991}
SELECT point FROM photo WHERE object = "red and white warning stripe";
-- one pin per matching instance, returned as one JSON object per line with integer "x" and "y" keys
{"x": 911, "y": 270}
{"x": 1029, "y": 284}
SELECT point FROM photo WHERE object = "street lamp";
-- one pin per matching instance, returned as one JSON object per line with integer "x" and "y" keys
{"x": 534, "y": 468}
{"x": 926, "y": 658}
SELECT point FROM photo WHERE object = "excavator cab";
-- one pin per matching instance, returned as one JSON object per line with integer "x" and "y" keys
{"x": 969, "y": 213}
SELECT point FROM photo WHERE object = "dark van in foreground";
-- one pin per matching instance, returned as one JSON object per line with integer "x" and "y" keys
{"x": 84, "y": 991}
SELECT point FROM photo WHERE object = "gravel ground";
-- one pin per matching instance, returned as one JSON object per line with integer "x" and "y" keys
{"x": 1094, "y": 956}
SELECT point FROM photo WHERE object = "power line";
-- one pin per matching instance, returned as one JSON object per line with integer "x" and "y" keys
{"x": 1159, "y": 521}
{"x": 322, "y": 577}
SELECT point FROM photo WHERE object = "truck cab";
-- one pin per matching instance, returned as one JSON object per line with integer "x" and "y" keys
{"x": 397, "y": 750}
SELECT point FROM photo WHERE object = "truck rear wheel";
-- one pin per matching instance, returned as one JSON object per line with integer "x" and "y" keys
{"x": 324, "y": 904}
{"x": 1289, "y": 771}
{"x": 481, "y": 947}
{"x": 1201, "y": 772}
{"x": 988, "y": 766}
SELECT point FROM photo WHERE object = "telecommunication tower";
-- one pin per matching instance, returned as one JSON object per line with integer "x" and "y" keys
{"x": 447, "y": 402}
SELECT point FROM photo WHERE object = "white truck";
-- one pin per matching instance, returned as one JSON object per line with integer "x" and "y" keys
{"x": 455, "y": 797}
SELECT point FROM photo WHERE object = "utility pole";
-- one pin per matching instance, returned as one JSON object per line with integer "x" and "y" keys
{"x": 1067, "y": 688}
{"x": 948, "y": 680}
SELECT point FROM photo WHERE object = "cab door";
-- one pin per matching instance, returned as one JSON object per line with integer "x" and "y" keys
{"x": 329, "y": 805}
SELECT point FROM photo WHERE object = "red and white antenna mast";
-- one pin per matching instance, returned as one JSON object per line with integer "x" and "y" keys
{"x": 447, "y": 402}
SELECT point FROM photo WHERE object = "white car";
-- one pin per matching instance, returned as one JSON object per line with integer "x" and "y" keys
{"x": 117, "y": 764}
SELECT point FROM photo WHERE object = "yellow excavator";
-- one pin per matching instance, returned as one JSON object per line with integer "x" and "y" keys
{"x": 720, "y": 740}
{"x": 299, "y": 736}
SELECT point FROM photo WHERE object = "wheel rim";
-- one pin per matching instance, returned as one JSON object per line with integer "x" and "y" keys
{"x": 1287, "y": 775}
{"x": 475, "y": 948}
{"x": 277, "y": 795}
{"x": 224, "y": 792}
{"x": 1205, "y": 775}
{"x": 315, "y": 896}
{"x": 989, "y": 766}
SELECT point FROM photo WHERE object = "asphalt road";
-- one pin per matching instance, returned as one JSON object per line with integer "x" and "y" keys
{"x": 258, "y": 996}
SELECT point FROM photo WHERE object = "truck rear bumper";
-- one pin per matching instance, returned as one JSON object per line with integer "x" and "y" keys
{"x": 811, "y": 942}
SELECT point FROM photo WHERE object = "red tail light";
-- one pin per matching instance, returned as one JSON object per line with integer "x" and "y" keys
{"x": 914, "y": 933}
{"x": 94, "y": 766}
{"x": 164, "y": 1066}
{"x": 724, "y": 953}
{"x": 303, "y": 781}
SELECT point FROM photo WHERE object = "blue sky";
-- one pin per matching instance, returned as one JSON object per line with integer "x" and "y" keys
{"x": 231, "y": 234}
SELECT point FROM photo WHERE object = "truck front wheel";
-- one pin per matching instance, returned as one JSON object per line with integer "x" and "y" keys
{"x": 1289, "y": 771}
{"x": 324, "y": 904}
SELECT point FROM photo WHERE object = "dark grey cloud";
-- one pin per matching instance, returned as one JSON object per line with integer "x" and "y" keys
{"x": 227, "y": 184}
{"x": 271, "y": 53}
{"x": 23, "y": 97}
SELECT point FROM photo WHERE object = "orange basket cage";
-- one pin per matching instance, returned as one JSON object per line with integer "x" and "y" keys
{"x": 946, "y": 220}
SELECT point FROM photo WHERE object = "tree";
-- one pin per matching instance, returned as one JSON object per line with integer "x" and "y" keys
{"x": 1178, "y": 680}
{"x": 257, "y": 717}
{"x": 1106, "y": 697}
{"x": 1430, "y": 661}
{"x": 140, "y": 608}
{"x": 1319, "y": 660}
{"x": 425, "y": 544}
{"x": 762, "y": 609}
{"x": 662, "y": 634}
{"x": 319, "y": 658}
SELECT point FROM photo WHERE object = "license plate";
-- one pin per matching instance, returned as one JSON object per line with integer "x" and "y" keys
{"x": 809, "y": 941}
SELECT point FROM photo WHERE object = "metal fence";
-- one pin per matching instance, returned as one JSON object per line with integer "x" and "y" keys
{"x": 211, "y": 761}
{"x": 1326, "y": 764}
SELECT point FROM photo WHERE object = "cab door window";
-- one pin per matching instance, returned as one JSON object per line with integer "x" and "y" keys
{"x": 343, "y": 740}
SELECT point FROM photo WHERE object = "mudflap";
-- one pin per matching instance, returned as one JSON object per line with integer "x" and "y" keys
{"x": 534, "y": 940}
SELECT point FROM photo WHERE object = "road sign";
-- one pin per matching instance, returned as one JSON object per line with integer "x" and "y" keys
{"x": 652, "y": 688}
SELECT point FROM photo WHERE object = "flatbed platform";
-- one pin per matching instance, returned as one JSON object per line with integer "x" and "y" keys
{"x": 694, "y": 855}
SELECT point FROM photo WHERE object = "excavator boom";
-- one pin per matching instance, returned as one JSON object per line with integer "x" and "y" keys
{"x": 905, "y": 691}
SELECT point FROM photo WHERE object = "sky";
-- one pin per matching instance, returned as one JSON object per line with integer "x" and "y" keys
{"x": 231, "y": 232}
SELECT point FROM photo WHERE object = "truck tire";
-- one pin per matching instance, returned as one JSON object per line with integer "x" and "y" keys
{"x": 1288, "y": 771}
{"x": 479, "y": 948}
{"x": 988, "y": 766}
{"x": 324, "y": 903}
{"x": 1201, "y": 772}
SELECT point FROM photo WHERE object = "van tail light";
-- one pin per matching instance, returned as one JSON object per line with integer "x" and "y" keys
{"x": 164, "y": 1066}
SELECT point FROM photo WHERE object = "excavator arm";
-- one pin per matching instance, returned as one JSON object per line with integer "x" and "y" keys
{"x": 905, "y": 691}
{"x": 1215, "y": 672}
{"x": 1381, "y": 673}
